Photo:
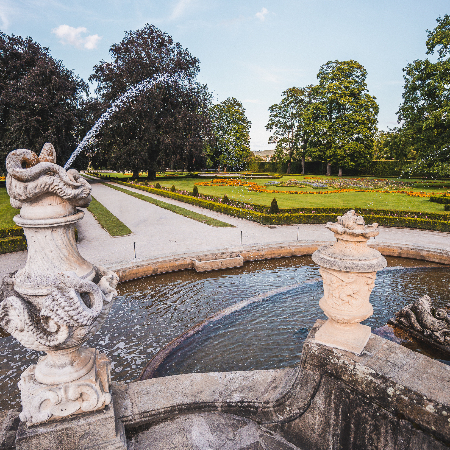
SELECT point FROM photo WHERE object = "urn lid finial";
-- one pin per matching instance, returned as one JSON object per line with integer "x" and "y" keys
{"x": 350, "y": 252}
{"x": 352, "y": 224}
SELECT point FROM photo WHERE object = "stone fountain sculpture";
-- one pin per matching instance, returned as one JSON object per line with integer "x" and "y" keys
{"x": 425, "y": 322}
{"x": 348, "y": 268}
{"x": 58, "y": 300}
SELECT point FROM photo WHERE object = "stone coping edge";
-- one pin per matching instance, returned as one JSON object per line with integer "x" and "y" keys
{"x": 141, "y": 269}
{"x": 406, "y": 383}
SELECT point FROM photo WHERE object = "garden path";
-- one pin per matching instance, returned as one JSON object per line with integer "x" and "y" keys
{"x": 160, "y": 233}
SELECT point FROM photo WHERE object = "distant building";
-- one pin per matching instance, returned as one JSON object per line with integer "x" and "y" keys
{"x": 265, "y": 155}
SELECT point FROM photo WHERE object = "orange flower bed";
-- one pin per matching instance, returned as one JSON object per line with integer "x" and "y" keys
{"x": 254, "y": 187}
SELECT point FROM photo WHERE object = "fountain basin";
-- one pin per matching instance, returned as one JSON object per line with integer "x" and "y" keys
{"x": 151, "y": 312}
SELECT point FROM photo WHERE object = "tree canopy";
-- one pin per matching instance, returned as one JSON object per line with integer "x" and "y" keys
{"x": 39, "y": 99}
{"x": 164, "y": 126}
{"x": 288, "y": 121}
{"x": 425, "y": 111}
{"x": 343, "y": 117}
{"x": 230, "y": 144}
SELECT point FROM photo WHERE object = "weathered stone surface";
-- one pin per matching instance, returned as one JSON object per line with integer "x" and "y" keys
{"x": 90, "y": 431}
{"x": 387, "y": 398}
{"x": 348, "y": 268}
{"x": 350, "y": 252}
{"x": 220, "y": 261}
{"x": 159, "y": 398}
{"x": 58, "y": 300}
{"x": 139, "y": 269}
{"x": 426, "y": 323}
{"x": 146, "y": 268}
{"x": 9, "y": 422}
{"x": 89, "y": 392}
{"x": 208, "y": 431}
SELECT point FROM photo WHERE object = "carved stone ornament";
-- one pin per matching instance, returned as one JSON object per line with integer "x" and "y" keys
{"x": 58, "y": 300}
{"x": 425, "y": 322}
{"x": 348, "y": 268}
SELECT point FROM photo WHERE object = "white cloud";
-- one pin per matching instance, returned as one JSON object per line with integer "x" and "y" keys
{"x": 74, "y": 36}
{"x": 261, "y": 15}
{"x": 180, "y": 8}
{"x": 6, "y": 10}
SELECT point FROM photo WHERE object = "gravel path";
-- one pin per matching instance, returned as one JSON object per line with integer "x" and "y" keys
{"x": 158, "y": 233}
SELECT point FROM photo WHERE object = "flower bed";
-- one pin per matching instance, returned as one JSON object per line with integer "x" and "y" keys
{"x": 252, "y": 186}
{"x": 258, "y": 213}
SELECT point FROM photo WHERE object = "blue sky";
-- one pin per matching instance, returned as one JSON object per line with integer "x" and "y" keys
{"x": 250, "y": 49}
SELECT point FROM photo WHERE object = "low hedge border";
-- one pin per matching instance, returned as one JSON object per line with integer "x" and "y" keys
{"x": 443, "y": 199}
{"x": 11, "y": 231}
{"x": 388, "y": 218}
{"x": 12, "y": 244}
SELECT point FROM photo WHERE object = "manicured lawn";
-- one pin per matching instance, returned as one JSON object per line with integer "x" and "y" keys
{"x": 7, "y": 212}
{"x": 376, "y": 200}
{"x": 108, "y": 220}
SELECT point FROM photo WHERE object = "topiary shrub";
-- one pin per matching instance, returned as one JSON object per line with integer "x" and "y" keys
{"x": 225, "y": 199}
{"x": 173, "y": 189}
{"x": 195, "y": 191}
{"x": 157, "y": 186}
{"x": 274, "y": 207}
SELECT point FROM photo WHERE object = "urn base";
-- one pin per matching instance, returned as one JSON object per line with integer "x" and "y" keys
{"x": 41, "y": 402}
{"x": 350, "y": 337}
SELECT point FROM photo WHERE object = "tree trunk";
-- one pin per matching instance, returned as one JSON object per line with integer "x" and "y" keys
{"x": 340, "y": 172}
{"x": 135, "y": 175}
{"x": 328, "y": 169}
{"x": 288, "y": 170}
{"x": 151, "y": 174}
{"x": 303, "y": 165}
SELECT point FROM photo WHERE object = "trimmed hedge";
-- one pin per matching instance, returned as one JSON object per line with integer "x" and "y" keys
{"x": 389, "y": 218}
{"x": 12, "y": 244}
{"x": 384, "y": 168}
{"x": 443, "y": 199}
{"x": 11, "y": 231}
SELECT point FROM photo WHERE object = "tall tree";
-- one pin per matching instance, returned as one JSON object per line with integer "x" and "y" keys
{"x": 344, "y": 115}
{"x": 230, "y": 146}
{"x": 164, "y": 126}
{"x": 287, "y": 121}
{"x": 425, "y": 110}
{"x": 39, "y": 99}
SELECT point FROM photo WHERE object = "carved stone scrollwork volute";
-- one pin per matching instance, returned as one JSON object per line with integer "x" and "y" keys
{"x": 58, "y": 300}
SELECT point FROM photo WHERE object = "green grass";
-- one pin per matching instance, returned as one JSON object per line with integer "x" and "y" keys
{"x": 104, "y": 217}
{"x": 375, "y": 200}
{"x": 108, "y": 220}
{"x": 176, "y": 209}
{"x": 7, "y": 212}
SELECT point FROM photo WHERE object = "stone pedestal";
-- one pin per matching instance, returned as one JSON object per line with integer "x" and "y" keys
{"x": 348, "y": 269}
{"x": 43, "y": 400}
{"x": 56, "y": 303}
{"x": 98, "y": 430}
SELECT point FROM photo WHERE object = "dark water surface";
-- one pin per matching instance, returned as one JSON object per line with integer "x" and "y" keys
{"x": 151, "y": 312}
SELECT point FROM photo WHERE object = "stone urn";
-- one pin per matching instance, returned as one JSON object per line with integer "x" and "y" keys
{"x": 348, "y": 268}
{"x": 58, "y": 300}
